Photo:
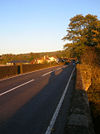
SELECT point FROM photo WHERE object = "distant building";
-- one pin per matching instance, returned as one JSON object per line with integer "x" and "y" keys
{"x": 44, "y": 59}
{"x": 17, "y": 62}
{"x": 52, "y": 59}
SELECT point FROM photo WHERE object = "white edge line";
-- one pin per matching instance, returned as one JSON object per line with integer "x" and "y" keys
{"x": 54, "y": 117}
{"x": 1, "y": 94}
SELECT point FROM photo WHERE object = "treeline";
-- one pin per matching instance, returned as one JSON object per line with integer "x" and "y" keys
{"x": 83, "y": 33}
{"x": 30, "y": 56}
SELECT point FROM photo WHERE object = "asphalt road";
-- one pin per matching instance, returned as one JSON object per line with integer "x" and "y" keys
{"x": 28, "y": 102}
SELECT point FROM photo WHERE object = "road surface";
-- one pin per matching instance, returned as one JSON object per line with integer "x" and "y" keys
{"x": 29, "y": 101}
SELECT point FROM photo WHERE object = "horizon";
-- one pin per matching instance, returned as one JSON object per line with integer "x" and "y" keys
{"x": 31, "y": 52}
{"x": 38, "y": 26}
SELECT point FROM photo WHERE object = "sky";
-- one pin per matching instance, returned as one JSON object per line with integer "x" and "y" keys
{"x": 39, "y": 25}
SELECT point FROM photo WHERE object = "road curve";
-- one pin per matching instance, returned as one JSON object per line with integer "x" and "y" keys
{"x": 28, "y": 102}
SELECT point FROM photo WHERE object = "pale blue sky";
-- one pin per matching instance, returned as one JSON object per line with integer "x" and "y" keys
{"x": 38, "y": 25}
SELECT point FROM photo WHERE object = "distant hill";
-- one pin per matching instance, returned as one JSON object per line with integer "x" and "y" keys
{"x": 28, "y": 56}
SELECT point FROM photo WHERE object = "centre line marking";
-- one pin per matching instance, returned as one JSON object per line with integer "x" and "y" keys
{"x": 16, "y": 87}
{"x": 58, "y": 69}
{"x": 47, "y": 73}
{"x": 54, "y": 117}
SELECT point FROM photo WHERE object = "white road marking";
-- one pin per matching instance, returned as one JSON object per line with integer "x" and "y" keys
{"x": 47, "y": 73}
{"x": 51, "y": 72}
{"x": 16, "y": 87}
{"x": 58, "y": 69}
{"x": 65, "y": 66}
{"x": 18, "y": 75}
{"x": 1, "y": 94}
{"x": 54, "y": 117}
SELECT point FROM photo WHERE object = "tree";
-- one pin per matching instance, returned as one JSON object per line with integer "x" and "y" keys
{"x": 82, "y": 31}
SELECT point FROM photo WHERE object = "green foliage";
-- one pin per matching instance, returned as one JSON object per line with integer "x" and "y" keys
{"x": 29, "y": 56}
{"x": 82, "y": 31}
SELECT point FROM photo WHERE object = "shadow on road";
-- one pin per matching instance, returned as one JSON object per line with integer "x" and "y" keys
{"x": 34, "y": 116}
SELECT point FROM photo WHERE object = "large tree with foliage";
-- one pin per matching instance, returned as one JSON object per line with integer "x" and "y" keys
{"x": 82, "y": 31}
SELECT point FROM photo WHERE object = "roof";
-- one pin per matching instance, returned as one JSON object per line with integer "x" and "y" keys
{"x": 19, "y": 61}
